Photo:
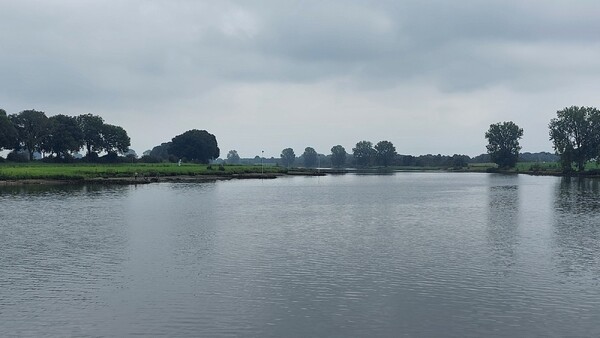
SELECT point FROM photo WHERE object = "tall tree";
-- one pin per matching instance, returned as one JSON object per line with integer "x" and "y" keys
{"x": 288, "y": 157}
{"x": 503, "y": 143}
{"x": 195, "y": 145}
{"x": 115, "y": 139}
{"x": 32, "y": 127}
{"x": 8, "y": 133}
{"x": 385, "y": 153}
{"x": 363, "y": 153}
{"x": 64, "y": 136}
{"x": 338, "y": 156}
{"x": 575, "y": 134}
{"x": 91, "y": 126}
{"x": 233, "y": 157}
{"x": 310, "y": 157}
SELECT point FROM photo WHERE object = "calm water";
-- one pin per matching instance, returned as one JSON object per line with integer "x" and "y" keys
{"x": 401, "y": 255}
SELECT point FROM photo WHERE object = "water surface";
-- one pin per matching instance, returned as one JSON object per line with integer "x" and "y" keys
{"x": 410, "y": 254}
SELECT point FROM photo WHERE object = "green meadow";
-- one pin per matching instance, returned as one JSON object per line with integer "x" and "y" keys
{"x": 22, "y": 171}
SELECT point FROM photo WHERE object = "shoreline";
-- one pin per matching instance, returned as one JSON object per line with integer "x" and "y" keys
{"x": 138, "y": 180}
{"x": 214, "y": 178}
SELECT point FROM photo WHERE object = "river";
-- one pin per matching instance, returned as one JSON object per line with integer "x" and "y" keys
{"x": 407, "y": 254}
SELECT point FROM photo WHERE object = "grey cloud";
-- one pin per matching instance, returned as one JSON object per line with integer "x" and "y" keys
{"x": 161, "y": 57}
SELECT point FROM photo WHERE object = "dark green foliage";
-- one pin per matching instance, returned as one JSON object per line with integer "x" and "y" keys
{"x": 8, "y": 133}
{"x": 575, "y": 134}
{"x": 161, "y": 152}
{"x": 385, "y": 153}
{"x": 338, "y": 156}
{"x": 288, "y": 157}
{"x": 32, "y": 128}
{"x": 460, "y": 161}
{"x": 91, "y": 127}
{"x": 310, "y": 157}
{"x": 503, "y": 143}
{"x": 363, "y": 153}
{"x": 15, "y": 156}
{"x": 149, "y": 159}
{"x": 195, "y": 145}
{"x": 64, "y": 136}
{"x": 115, "y": 139}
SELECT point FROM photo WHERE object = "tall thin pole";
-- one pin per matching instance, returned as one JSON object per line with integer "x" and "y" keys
{"x": 262, "y": 167}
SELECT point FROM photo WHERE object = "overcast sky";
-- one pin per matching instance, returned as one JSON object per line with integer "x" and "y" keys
{"x": 429, "y": 76}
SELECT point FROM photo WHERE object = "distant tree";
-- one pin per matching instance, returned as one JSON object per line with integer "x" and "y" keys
{"x": 8, "y": 133}
{"x": 363, "y": 153}
{"x": 195, "y": 145}
{"x": 310, "y": 157}
{"x": 233, "y": 157}
{"x": 32, "y": 128}
{"x": 575, "y": 134}
{"x": 91, "y": 127}
{"x": 115, "y": 139}
{"x": 460, "y": 161}
{"x": 161, "y": 152}
{"x": 131, "y": 153}
{"x": 385, "y": 153}
{"x": 288, "y": 157}
{"x": 64, "y": 136}
{"x": 503, "y": 143}
{"x": 338, "y": 156}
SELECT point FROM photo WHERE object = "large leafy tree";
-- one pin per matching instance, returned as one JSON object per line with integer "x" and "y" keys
{"x": 575, "y": 134}
{"x": 8, "y": 133}
{"x": 195, "y": 145}
{"x": 310, "y": 157}
{"x": 32, "y": 127}
{"x": 338, "y": 156}
{"x": 288, "y": 157}
{"x": 91, "y": 127}
{"x": 363, "y": 153}
{"x": 115, "y": 139}
{"x": 503, "y": 143}
{"x": 64, "y": 136}
{"x": 385, "y": 153}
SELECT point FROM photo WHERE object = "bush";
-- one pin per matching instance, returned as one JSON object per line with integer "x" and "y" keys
{"x": 91, "y": 157}
{"x": 17, "y": 157}
{"x": 111, "y": 158}
{"x": 149, "y": 159}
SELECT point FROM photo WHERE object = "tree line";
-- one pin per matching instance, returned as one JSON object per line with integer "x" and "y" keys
{"x": 574, "y": 133}
{"x": 60, "y": 136}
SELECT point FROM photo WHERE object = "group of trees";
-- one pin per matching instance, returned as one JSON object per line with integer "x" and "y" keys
{"x": 575, "y": 136}
{"x": 60, "y": 135}
{"x": 364, "y": 154}
{"x": 192, "y": 146}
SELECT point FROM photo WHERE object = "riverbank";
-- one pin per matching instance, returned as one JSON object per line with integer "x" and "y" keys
{"x": 132, "y": 173}
{"x": 127, "y": 174}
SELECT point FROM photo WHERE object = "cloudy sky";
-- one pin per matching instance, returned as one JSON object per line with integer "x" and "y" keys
{"x": 429, "y": 76}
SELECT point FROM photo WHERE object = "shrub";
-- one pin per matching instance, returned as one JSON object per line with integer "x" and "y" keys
{"x": 17, "y": 157}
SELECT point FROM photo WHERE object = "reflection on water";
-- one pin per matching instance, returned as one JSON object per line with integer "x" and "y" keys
{"x": 577, "y": 227}
{"x": 414, "y": 254}
{"x": 503, "y": 219}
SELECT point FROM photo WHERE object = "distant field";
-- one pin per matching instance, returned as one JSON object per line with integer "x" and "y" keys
{"x": 19, "y": 171}
{"x": 521, "y": 166}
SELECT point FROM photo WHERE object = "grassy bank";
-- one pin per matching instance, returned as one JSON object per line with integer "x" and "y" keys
{"x": 49, "y": 171}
